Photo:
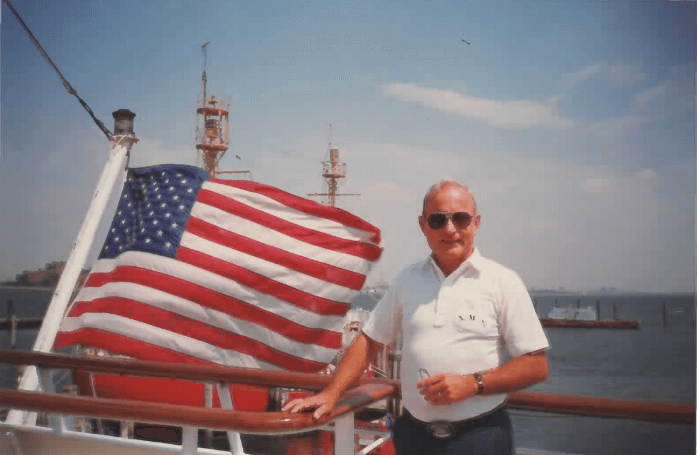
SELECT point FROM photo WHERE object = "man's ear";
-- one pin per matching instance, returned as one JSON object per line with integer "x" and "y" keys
{"x": 422, "y": 224}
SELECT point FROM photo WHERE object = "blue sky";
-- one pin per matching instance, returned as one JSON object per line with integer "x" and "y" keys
{"x": 572, "y": 122}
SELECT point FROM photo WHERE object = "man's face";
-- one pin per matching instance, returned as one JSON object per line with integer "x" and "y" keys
{"x": 450, "y": 244}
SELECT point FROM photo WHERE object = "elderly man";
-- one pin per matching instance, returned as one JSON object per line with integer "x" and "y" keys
{"x": 457, "y": 310}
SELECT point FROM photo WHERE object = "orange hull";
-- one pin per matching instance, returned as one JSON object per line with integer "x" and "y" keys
{"x": 170, "y": 391}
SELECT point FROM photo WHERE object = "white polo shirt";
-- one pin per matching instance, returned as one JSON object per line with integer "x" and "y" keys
{"x": 456, "y": 324}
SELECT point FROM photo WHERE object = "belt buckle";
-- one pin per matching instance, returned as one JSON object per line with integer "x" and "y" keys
{"x": 441, "y": 429}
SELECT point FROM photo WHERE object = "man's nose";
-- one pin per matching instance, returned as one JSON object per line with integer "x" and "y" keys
{"x": 449, "y": 225}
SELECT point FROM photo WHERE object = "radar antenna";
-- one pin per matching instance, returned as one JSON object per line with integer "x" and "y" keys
{"x": 332, "y": 170}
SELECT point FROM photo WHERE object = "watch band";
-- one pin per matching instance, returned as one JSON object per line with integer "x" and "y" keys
{"x": 479, "y": 379}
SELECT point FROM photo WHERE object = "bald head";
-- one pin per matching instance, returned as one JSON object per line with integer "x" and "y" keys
{"x": 445, "y": 183}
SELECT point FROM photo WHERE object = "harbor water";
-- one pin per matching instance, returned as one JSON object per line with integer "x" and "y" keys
{"x": 654, "y": 362}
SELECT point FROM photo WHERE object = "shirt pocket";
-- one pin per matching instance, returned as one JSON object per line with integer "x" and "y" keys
{"x": 472, "y": 316}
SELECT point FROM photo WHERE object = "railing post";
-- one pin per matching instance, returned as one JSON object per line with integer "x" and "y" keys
{"x": 226, "y": 403}
{"x": 189, "y": 440}
{"x": 344, "y": 443}
{"x": 394, "y": 404}
{"x": 208, "y": 399}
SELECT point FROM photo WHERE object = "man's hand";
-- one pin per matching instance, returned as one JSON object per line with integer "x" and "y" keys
{"x": 447, "y": 388}
{"x": 324, "y": 403}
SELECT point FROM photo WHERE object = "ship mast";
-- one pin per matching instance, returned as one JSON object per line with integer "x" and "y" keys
{"x": 332, "y": 171}
{"x": 213, "y": 126}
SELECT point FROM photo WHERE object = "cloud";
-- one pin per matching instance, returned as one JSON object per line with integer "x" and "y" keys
{"x": 647, "y": 174}
{"x": 624, "y": 75}
{"x": 626, "y": 183}
{"x": 500, "y": 114}
{"x": 597, "y": 185}
{"x": 642, "y": 99}
{"x": 588, "y": 72}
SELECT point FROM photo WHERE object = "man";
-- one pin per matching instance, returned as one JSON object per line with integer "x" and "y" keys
{"x": 457, "y": 310}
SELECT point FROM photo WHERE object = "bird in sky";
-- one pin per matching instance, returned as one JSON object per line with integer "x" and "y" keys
{"x": 463, "y": 40}
{"x": 238, "y": 157}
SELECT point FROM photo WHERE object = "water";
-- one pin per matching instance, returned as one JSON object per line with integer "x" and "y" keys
{"x": 651, "y": 363}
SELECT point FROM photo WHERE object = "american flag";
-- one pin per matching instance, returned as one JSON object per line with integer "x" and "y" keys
{"x": 231, "y": 272}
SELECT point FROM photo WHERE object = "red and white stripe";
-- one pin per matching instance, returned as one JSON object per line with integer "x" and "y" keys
{"x": 262, "y": 279}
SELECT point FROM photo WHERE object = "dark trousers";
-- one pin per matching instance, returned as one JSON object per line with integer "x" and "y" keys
{"x": 488, "y": 435}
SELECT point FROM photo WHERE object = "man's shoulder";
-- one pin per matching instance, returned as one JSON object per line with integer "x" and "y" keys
{"x": 413, "y": 270}
{"x": 495, "y": 269}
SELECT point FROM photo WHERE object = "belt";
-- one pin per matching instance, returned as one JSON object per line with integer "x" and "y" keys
{"x": 445, "y": 429}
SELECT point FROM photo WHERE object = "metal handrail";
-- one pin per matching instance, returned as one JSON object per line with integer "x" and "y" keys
{"x": 207, "y": 373}
{"x": 192, "y": 416}
{"x": 535, "y": 401}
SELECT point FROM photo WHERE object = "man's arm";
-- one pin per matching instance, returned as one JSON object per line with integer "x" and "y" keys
{"x": 519, "y": 373}
{"x": 361, "y": 352}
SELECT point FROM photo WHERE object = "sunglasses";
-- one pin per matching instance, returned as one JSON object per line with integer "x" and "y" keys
{"x": 439, "y": 219}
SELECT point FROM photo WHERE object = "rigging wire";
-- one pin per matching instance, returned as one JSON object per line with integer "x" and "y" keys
{"x": 66, "y": 84}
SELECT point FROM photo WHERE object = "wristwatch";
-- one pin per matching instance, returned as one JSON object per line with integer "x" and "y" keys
{"x": 479, "y": 379}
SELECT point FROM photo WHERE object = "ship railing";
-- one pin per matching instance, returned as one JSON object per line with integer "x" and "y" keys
{"x": 366, "y": 391}
{"x": 190, "y": 418}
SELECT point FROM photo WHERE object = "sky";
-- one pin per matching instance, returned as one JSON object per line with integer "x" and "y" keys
{"x": 573, "y": 123}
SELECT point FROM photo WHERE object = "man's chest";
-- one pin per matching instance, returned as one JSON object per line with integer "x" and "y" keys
{"x": 464, "y": 309}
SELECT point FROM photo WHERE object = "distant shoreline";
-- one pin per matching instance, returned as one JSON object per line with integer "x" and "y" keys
{"x": 27, "y": 288}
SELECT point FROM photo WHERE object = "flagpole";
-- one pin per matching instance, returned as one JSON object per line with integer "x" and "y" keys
{"x": 121, "y": 142}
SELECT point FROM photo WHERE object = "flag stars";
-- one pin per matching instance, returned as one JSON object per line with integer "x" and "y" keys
{"x": 168, "y": 245}
{"x": 171, "y": 188}
{"x": 129, "y": 204}
{"x": 120, "y": 247}
{"x": 123, "y": 222}
{"x": 148, "y": 240}
{"x": 179, "y": 175}
{"x": 163, "y": 205}
{"x": 142, "y": 230}
{"x": 155, "y": 222}
{"x": 181, "y": 207}
{"x": 116, "y": 239}
{"x": 176, "y": 198}
{"x": 119, "y": 212}
{"x": 152, "y": 212}
{"x": 175, "y": 225}
{"x": 189, "y": 190}
{"x": 167, "y": 181}
{"x": 168, "y": 215}
{"x": 148, "y": 206}
{"x": 160, "y": 232}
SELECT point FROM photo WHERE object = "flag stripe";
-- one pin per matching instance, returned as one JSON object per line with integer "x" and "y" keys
{"x": 278, "y": 256}
{"x": 197, "y": 329}
{"x": 175, "y": 333}
{"x": 140, "y": 349}
{"x": 262, "y": 284}
{"x": 273, "y": 272}
{"x": 330, "y": 242}
{"x": 271, "y": 237}
{"x": 235, "y": 316}
{"x": 197, "y": 285}
{"x": 306, "y": 206}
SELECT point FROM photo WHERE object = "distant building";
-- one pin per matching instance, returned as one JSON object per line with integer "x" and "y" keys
{"x": 48, "y": 277}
